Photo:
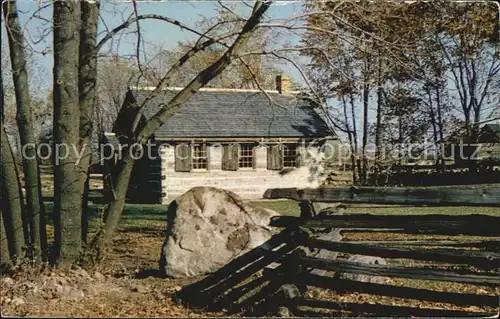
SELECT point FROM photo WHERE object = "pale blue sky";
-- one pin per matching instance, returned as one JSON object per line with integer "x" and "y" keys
{"x": 154, "y": 32}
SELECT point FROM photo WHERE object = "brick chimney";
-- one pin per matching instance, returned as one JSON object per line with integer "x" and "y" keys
{"x": 283, "y": 84}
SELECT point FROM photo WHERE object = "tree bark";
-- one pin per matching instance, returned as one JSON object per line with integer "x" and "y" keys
{"x": 4, "y": 246}
{"x": 85, "y": 206}
{"x": 35, "y": 208}
{"x": 366, "y": 97}
{"x": 4, "y": 243}
{"x": 356, "y": 166}
{"x": 67, "y": 188}
{"x": 12, "y": 203}
{"x": 378, "y": 126}
{"x": 351, "y": 142}
{"x": 432, "y": 116}
{"x": 115, "y": 208}
{"x": 439, "y": 107}
{"x": 87, "y": 79}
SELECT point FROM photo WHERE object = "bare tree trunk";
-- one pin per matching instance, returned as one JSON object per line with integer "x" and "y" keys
{"x": 87, "y": 79}
{"x": 351, "y": 142}
{"x": 35, "y": 210}
{"x": 67, "y": 188}
{"x": 12, "y": 203}
{"x": 378, "y": 127}
{"x": 115, "y": 208}
{"x": 356, "y": 168}
{"x": 4, "y": 246}
{"x": 475, "y": 125}
{"x": 440, "y": 126}
{"x": 400, "y": 139}
{"x": 439, "y": 114}
{"x": 366, "y": 92}
{"x": 4, "y": 243}
{"x": 85, "y": 206}
{"x": 432, "y": 115}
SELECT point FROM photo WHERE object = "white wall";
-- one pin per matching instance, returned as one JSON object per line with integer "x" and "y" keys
{"x": 248, "y": 183}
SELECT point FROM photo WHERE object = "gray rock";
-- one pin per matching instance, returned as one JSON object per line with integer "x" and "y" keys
{"x": 290, "y": 291}
{"x": 99, "y": 277}
{"x": 60, "y": 280}
{"x": 207, "y": 228}
{"x": 81, "y": 273}
{"x": 7, "y": 282}
{"x": 75, "y": 294}
{"x": 18, "y": 301}
{"x": 32, "y": 297}
{"x": 59, "y": 290}
{"x": 365, "y": 278}
{"x": 27, "y": 285}
{"x": 333, "y": 235}
{"x": 326, "y": 208}
{"x": 140, "y": 289}
{"x": 283, "y": 312}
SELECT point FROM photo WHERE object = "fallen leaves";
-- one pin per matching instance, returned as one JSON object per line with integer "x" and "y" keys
{"x": 127, "y": 284}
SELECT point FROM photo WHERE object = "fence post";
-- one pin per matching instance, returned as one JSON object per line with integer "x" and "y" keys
{"x": 292, "y": 289}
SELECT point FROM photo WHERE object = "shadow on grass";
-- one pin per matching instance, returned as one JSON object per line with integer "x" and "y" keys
{"x": 228, "y": 288}
{"x": 149, "y": 272}
{"x": 144, "y": 230}
{"x": 131, "y": 212}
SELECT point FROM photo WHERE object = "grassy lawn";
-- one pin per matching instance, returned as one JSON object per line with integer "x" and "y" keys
{"x": 133, "y": 260}
{"x": 284, "y": 206}
{"x": 156, "y": 212}
{"x": 154, "y": 215}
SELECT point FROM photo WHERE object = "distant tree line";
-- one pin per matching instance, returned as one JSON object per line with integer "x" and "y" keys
{"x": 378, "y": 73}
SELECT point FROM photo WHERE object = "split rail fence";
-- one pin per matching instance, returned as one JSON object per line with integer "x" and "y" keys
{"x": 275, "y": 277}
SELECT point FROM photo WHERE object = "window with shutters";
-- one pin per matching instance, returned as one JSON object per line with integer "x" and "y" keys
{"x": 290, "y": 155}
{"x": 245, "y": 156}
{"x": 183, "y": 157}
{"x": 274, "y": 157}
{"x": 200, "y": 157}
{"x": 230, "y": 157}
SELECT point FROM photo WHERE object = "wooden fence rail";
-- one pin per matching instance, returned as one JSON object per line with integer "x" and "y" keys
{"x": 237, "y": 289}
{"x": 399, "y": 271}
{"x": 473, "y": 195}
{"x": 484, "y": 260}
{"x": 381, "y": 310}
{"x": 344, "y": 286}
{"x": 250, "y": 286}
{"x": 493, "y": 245}
{"x": 479, "y": 225}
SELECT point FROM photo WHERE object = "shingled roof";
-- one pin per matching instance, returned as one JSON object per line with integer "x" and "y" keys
{"x": 236, "y": 113}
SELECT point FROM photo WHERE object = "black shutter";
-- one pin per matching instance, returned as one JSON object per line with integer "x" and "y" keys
{"x": 301, "y": 153}
{"x": 230, "y": 158}
{"x": 183, "y": 158}
{"x": 254, "y": 157}
{"x": 274, "y": 157}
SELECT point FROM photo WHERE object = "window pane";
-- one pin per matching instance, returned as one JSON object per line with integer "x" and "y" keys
{"x": 200, "y": 159}
{"x": 246, "y": 156}
{"x": 289, "y": 155}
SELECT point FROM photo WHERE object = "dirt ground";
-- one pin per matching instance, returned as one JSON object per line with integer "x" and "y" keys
{"x": 128, "y": 284}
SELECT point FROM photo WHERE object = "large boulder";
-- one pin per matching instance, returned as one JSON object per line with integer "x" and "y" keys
{"x": 207, "y": 228}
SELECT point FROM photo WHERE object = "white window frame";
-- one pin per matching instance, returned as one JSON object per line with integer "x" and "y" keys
{"x": 242, "y": 156}
{"x": 196, "y": 160}
{"x": 287, "y": 158}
